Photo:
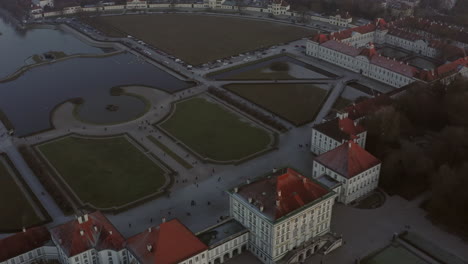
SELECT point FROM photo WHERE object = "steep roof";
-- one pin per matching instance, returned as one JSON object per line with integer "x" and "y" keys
{"x": 340, "y": 129}
{"x": 96, "y": 232}
{"x": 281, "y": 193}
{"x": 23, "y": 242}
{"x": 367, "y": 106}
{"x": 169, "y": 243}
{"x": 444, "y": 70}
{"x": 348, "y": 160}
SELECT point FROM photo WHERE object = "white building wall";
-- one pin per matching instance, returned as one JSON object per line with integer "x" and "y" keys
{"x": 224, "y": 251}
{"x": 353, "y": 188}
{"x": 200, "y": 258}
{"x": 42, "y": 253}
{"x": 271, "y": 241}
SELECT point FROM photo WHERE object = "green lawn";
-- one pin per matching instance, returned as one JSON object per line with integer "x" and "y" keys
{"x": 171, "y": 153}
{"x": 393, "y": 254}
{"x": 17, "y": 212}
{"x": 297, "y": 103}
{"x": 197, "y": 39}
{"x": 104, "y": 172}
{"x": 263, "y": 73}
{"x": 214, "y": 132}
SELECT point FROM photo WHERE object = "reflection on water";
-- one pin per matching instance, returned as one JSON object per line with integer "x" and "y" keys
{"x": 29, "y": 100}
{"x": 16, "y": 46}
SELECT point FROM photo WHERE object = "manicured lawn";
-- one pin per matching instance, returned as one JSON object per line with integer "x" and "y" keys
{"x": 171, "y": 153}
{"x": 197, "y": 39}
{"x": 214, "y": 132}
{"x": 16, "y": 211}
{"x": 394, "y": 254}
{"x": 297, "y": 103}
{"x": 104, "y": 172}
{"x": 264, "y": 73}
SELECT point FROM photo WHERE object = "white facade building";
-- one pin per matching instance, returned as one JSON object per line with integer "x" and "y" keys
{"x": 284, "y": 211}
{"x": 356, "y": 169}
{"x": 331, "y": 134}
{"x": 91, "y": 239}
{"x": 278, "y": 7}
{"x": 30, "y": 246}
{"x": 354, "y": 49}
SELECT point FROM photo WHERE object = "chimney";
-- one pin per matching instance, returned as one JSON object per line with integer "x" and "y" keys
{"x": 277, "y": 203}
{"x": 236, "y": 189}
{"x": 163, "y": 220}
{"x": 95, "y": 228}
{"x": 81, "y": 232}
{"x": 110, "y": 232}
{"x": 349, "y": 144}
{"x": 86, "y": 218}
{"x": 149, "y": 230}
{"x": 250, "y": 199}
{"x": 304, "y": 180}
{"x": 261, "y": 208}
{"x": 355, "y": 123}
{"x": 279, "y": 193}
{"x": 149, "y": 247}
{"x": 24, "y": 229}
{"x": 248, "y": 181}
{"x": 80, "y": 219}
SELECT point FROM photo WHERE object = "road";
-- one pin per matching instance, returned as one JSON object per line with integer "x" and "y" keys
{"x": 7, "y": 146}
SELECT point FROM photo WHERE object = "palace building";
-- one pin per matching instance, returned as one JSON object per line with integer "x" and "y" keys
{"x": 287, "y": 214}
{"x": 330, "y": 134}
{"x": 352, "y": 167}
{"x": 355, "y": 49}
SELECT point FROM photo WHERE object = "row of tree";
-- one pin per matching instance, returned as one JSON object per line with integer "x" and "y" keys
{"x": 358, "y": 8}
{"x": 422, "y": 140}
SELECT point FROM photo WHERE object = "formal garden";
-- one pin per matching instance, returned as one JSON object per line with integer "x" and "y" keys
{"x": 298, "y": 103}
{"x": 214, "y": 132}
{"x": 105, "y": 172}
{"x": 17, "y": 210}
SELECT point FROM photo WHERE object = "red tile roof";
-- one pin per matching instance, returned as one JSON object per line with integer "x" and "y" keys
{"x": 342, "y": 47}
{"x": 97, "y": 232}
{"x": 321, "y": 38}
{"x": 444, "y": 70}
{"x": 395, "y": 66}
{"x": 170, "y": 243}
{"x": 348, "y": 160}
{"x": 23, "y": 242}
{"x": 340, "y": 129}
{"x": 367, "y": 106}
{"x": 282, "y": 193}
{"x": 369, "y": 51}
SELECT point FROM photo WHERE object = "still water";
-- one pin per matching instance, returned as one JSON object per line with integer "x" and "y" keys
{"x": 29, "y": 100}
{"x": 17, "y": 46}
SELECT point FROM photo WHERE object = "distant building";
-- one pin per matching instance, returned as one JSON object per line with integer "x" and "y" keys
{"x": 287, "y": 214}
{"x": 90, "y": 239}
{"x": 33, "y": 245}
{"x": 278, "y": 7}
{"x": 330, "y": 134}
{"x": 357, "y": 170}
{"x": 137, "y": 4}
{"x": 354, "y": 50}
{"x": 342, "y": 19}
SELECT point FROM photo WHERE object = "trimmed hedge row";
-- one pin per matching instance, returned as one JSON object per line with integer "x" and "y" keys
{"x": 42, "y": 173}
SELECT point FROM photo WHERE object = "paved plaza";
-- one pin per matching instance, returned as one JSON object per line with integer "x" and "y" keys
{"x": 363, "y": 230}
